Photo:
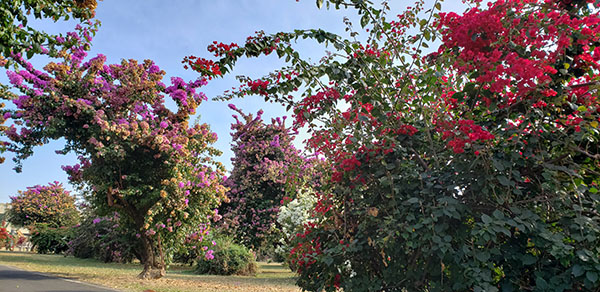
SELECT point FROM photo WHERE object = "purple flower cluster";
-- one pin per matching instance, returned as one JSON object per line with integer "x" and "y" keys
{"x": 264, "y": 156}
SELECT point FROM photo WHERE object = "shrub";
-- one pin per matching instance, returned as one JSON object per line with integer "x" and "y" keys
{"x": 474, "y": 168}
{"x": 51, "y": 240}
{"x": 50, "y": 204}
{"x": 103, "y": 239}
{"x": 227, "y": 258}
{"x": 6, "y": 240}
{"x": 292, "y": 217}
{"x": 196, "y": 245}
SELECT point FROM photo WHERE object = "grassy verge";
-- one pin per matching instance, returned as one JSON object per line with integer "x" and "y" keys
{"x": 271, "y": 276}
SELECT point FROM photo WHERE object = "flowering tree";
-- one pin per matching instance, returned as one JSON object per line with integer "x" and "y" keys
{"x": 50, "y": 204}
{"x": 137, "y": 157}
{"x": 263, "y": 158}
{"x": 474, "y": 167}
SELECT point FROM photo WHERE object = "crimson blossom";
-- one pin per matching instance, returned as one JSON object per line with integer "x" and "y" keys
{"x": 472, "y": 166}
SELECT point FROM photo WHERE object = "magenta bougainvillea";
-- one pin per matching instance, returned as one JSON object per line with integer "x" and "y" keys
{"x": 137, "y": 157}
{"x": 3, "y": 117}
{"x": 49, "y": 204}
{"x": 265, "y": 163}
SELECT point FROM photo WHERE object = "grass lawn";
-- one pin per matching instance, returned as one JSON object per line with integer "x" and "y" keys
{"x": 271, "y": 276}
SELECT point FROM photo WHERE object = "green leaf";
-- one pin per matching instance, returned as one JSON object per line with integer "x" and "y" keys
{"x": 528, "y": 259}
{"x": 503, "y": 180}
{"x": 582, "y": 256}
{"x": 486, "y": 219}
{"x": 498, "y": 215}
{"x": 541, "y": 284}
{"x": 364, "y": 20}
{"x": 482, "y": 256}
{"x": 592, "y": 276}
{"x": 319, "y": 4}
{"x": 412, "y": 201}
{"x": 577, "y": 270}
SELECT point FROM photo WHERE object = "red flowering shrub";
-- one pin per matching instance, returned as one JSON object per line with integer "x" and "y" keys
{"x": 472, "y": 168}
{"x": 6, "y": 239}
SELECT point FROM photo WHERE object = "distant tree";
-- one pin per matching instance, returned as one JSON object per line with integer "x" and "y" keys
{"x": 263, "y": 156}
{"x": 2, "y": 128}
{"x": 50, "y": 204}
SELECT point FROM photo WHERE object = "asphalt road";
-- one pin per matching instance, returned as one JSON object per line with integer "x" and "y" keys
{"x": 15, "y": 280}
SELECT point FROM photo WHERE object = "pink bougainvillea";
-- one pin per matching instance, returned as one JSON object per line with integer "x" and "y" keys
{"x": 136, "y": 156}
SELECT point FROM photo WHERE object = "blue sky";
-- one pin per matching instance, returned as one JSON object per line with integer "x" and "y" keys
{"x": 166, "y": 32}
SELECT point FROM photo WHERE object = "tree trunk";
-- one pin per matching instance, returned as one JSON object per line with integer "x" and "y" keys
{"x": 154, "y": 265}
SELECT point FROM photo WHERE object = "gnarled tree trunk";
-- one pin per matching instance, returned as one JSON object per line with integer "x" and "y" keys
{"x": 152, "y": 258}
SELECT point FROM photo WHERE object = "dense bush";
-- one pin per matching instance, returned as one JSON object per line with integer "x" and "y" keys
{"x": 6, "y": 239}
{"x": 47, "y": 239}
{"x": 50, "y": 204}
{"x": 103, "y": 239}
{"x": 228, "y": 258}
{"x": 472, "y": 168}
{"x": 196, "y": 245}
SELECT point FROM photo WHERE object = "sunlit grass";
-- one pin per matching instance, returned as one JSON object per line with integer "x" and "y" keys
{"x": 271, "y": 276}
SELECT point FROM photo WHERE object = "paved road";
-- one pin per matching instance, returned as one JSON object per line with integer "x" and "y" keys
{"x": 15, "y": 280}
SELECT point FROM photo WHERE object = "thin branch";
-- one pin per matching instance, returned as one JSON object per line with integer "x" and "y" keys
{"x": 593, "y": 156}
{"x": 420, "y": 160}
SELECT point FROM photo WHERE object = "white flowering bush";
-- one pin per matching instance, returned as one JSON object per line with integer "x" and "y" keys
{"x": 293, "y": 216}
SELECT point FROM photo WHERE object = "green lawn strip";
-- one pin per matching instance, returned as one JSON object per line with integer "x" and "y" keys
{"x": 271, "y": 276}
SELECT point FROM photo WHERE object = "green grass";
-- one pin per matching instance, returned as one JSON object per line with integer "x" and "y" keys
{"x": 271, "y": 276}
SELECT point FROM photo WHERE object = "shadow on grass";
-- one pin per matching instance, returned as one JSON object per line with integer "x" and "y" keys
{"x": 270, "y": 275}
{"x": 61, "y": 261}
{"x": 234, "y": 280}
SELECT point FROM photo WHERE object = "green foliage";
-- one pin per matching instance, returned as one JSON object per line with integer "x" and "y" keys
{"x": 229, "y": 259}
{"x": 473, "y": 168}
{"x": 47, "y": 239}
{"x": 17, "y": 36}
